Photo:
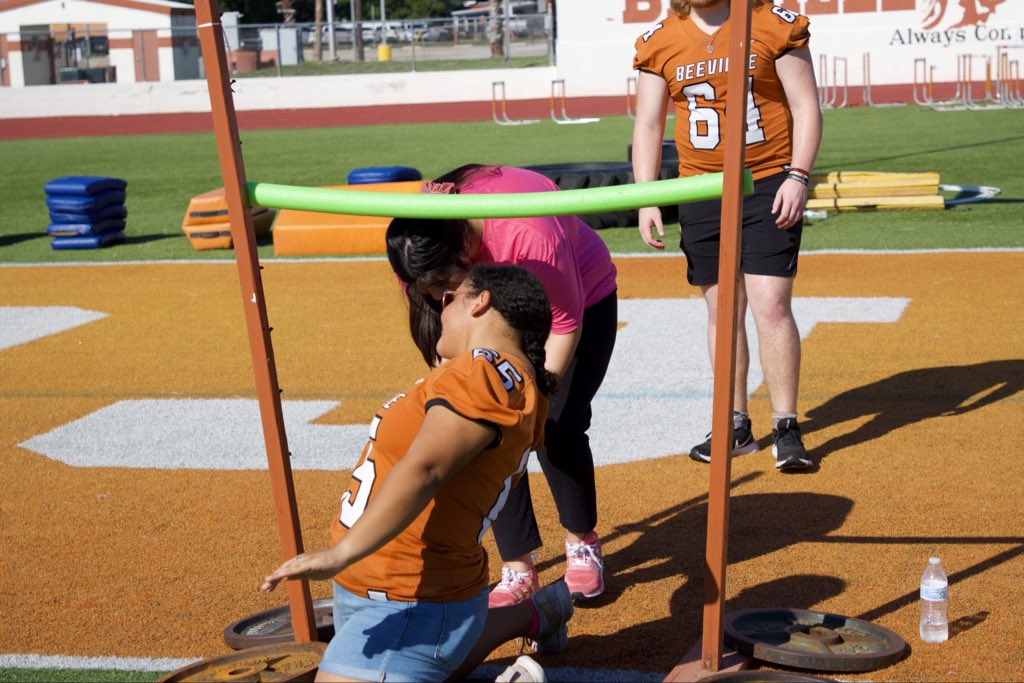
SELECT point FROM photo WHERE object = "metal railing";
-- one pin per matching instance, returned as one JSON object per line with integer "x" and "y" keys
{"x": 995, "y": 85}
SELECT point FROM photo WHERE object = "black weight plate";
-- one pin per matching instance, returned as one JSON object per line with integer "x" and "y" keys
{"x": 812, "y": 640}
{"x": 275, "y": 626}
{"x": 766, "y": 676}
{"x": 277, "y": 663}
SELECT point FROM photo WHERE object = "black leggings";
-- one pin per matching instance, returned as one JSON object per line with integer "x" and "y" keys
{"x": 566, "y": 458}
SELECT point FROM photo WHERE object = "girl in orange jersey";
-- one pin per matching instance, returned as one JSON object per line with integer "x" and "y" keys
{"x": 579, "y": 277}
{"x": 684, "y": 58}
{"x": 410, "y": 575}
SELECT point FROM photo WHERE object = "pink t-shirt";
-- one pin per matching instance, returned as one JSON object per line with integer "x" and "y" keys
{"x": 566, "y": 254}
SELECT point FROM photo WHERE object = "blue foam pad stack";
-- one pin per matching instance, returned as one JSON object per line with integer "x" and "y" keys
{"x": 86, "y": 212}
{"x": 383, "y": 174}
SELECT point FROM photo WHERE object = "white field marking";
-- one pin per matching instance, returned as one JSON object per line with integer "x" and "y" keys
{"x": 655, "y": 400}
{"x": 208, "y": 434}
{"x": 22, "y": 324}
{"x": 12, "y": 661}
{"x": 486, "y": 671}
{"x": 615, "y": 255}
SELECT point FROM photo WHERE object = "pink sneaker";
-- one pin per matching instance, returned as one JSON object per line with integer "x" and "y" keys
{"x": 584, "y": 571}
{"x": 514, "y": 588}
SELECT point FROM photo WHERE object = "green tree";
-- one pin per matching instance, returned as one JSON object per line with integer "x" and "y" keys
{"x": 266, "y": 11}
{"x": 494, "y": 26}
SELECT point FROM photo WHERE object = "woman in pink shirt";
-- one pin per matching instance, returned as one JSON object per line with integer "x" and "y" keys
{"x": 573, "y": 263}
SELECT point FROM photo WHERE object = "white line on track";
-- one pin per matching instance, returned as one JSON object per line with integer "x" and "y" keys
{"x": 616, "y": 255}
{"x": 486, "y": 671}
{"x": 102, "y": 663}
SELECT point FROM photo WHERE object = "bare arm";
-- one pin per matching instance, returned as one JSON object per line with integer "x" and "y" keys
{"x": 796, "y": 73}
{"x": 560, "y": 349}
{"x": 444, "y": 444}
{"x": 648, "y": 131}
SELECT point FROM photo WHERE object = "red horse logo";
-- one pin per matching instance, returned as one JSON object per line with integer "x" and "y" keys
{"x": 975, "y": 12}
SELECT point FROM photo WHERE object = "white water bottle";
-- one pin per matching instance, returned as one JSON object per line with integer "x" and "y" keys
{"x": 934, "y": 603}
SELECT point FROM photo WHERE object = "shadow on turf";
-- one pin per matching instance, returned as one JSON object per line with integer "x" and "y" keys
{"x": 17, "y": 238}
{"x": 670, "y": 545}
{"x": 263, "y": 241}
{"x": 910, "y": 397}
{"x": 1005, "y": 200}
{"x": 937, "y": 150}
{"x": 910, "y": 598}
{"x": 142, "y": 239}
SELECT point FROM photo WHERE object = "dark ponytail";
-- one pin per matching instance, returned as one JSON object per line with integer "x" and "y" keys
{"x": 424, "y": 253}
{"x": 519, "y": 297}
{"x": 427, "y": 252}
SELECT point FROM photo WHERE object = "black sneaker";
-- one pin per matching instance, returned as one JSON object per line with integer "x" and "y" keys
{"x": 742, "y": 443}
{"x": 789, "y": 449}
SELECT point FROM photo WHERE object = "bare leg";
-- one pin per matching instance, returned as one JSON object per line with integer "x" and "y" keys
{"x": 523, "y": 563}
{"x": 739, "y": 397}
{"x": 503, "y": 624}
{"x": 771, "y": 301}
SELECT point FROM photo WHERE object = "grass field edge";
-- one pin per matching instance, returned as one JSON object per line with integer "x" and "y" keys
{"x": 615, "y": 255}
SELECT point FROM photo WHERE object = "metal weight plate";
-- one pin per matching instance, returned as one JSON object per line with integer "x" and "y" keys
{"x": 277, "y": 663}
{"x": 812, "y": 640}
{"x": 275, "y": 626}
{"x": 767, "y": 676}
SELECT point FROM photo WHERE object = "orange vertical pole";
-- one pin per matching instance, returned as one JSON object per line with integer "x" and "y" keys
{"x": 225, "y": 125}
{"x": 725, "y": 338}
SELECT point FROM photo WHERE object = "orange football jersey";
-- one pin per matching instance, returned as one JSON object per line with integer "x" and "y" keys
{"x": 694, "y": 65}
{"x": 438, "y": 558}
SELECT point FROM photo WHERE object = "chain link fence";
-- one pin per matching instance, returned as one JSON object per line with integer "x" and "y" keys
{"x": 93, "y": 53}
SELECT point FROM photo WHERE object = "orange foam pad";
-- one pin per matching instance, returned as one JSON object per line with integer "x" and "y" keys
{"x": 304, "y": 233}
{"x": 218, "y": 235}
{"x": 209, "y": 207}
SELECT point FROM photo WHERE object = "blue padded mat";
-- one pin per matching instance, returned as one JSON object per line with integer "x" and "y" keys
{"x": 67, "y": 203}
{"x": 383, "y": 174}
{"x": 66, "y": 229}
{"x": 103, "y": 214}
{"x": 83, "y": 185}
{"x": 87, "y": 241}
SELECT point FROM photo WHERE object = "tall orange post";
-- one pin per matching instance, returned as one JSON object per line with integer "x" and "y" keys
{"x": 725, "y": 339}
{"x": 225, "y": 125}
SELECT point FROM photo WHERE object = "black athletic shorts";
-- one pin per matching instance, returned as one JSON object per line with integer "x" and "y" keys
{"x": 765, "y": 249}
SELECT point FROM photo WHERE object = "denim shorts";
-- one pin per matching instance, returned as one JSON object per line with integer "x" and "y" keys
{"x": 377, "y": 640}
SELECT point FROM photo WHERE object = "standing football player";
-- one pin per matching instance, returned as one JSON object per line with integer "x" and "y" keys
{"x": 684, "y": 58}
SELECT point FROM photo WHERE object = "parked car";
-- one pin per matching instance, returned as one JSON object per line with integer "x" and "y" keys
{"x": 342, "y": 34}
{"x": 422, "y": 31}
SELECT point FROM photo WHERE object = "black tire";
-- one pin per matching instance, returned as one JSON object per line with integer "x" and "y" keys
{"x": 589, "y": 174}
{"x": 602, "y": 174}
{"x": 669, "y": 158}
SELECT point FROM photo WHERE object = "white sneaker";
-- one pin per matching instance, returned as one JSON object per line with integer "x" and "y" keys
{"x": 524, "y": 670}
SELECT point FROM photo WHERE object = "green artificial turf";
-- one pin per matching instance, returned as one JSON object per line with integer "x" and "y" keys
{"x": 165, "y": 171}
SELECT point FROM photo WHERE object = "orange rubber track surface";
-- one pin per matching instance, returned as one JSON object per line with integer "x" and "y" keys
{"x": 916, "y": 425}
